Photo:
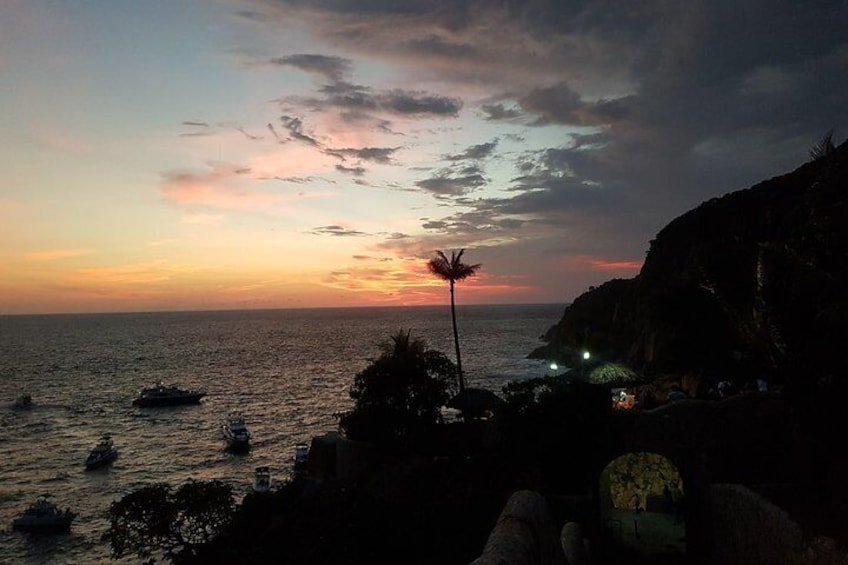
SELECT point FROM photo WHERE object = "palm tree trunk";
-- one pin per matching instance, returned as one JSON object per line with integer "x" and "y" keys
{"x": 456, "y": 341}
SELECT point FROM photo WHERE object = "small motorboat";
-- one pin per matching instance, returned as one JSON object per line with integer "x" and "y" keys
{"x": 301, "y": 458}
{"x": 102, "y": 454}
{"x": 235, "y": 432}
{"x": 23, "y": 401}
{"x": 43, "y": 516}
{"x": 162, "y": 395}
{"x": 262, "y": 479}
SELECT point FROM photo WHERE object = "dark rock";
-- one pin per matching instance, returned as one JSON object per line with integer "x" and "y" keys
{"x": 752, "y": 283}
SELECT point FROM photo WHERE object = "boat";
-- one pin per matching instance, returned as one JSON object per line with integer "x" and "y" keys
{"x": 301, "y": 458}
{"x": 102, "y": 454}
{"x": 235, "y": 432}
{"x": 262, "y": 479}
{"x": 23, "y": 401}
{"x": 43, "y": 516}
{"x": 162, "y": 395}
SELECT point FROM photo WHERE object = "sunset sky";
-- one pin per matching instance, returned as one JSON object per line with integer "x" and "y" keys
{"x": 219, "y": 154}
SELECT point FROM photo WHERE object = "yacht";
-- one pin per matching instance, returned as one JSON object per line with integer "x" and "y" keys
{"x": 162, "y": 395}
{"x": 262, "y": 480}
{"x": 43, "y": 516}
{"x": 301, "y": 458}
{"x": 235, "y": 432}
{"x": 102, "y": 454}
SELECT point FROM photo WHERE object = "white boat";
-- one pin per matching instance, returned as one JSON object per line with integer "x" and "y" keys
{"x": 301, "y": 457}
{"x": 102, "y": 454}
{"x": 262, "y": 479}
{"x": 235, "y": 432}
{"x": 161, "y": 395}
{"x": 43, "y": 516}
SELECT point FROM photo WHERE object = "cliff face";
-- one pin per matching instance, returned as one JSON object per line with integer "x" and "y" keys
{"x": 750, "y": 284}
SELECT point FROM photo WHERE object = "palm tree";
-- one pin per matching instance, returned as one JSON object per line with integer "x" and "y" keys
{"x": 401, "y": 344}
{"x": 453, "y": 270}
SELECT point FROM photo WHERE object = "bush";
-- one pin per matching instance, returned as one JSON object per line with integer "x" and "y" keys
{"x": 398, "y": 396}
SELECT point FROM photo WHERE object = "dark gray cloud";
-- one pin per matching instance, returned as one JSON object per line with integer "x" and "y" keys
{"x": 394, "y": 235}
{"x": 303, "y": 180}
{"x": 418, "y": 103}
{"x": 381, "y": 155}
{"x": 500, "y": 113}
{"x": 486, "y": 220}
{"x": 248, "y": 135}
{"x": 333, "y": 68}
{"x": 480, "y": 151}
{"x": 560, "y": 104}
{"x": 295, "y": 128}
{"x": 336, "y": 231}
{"x": 444, "y": 185}
{"x": 440, "y": 47}
{"x": 340, "y": 231}
{"x": 355, "y": 171}
{"x": 273, "y": 131}
{"x": 364, "y": 100}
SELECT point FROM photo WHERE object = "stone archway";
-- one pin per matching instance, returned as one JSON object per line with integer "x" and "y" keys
{"x": 641, "y": 505}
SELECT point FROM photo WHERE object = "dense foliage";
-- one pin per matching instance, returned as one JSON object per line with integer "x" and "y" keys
{"x": 416, "y": 510}
{"x": 157, "y": 520}
{"x": 398, "y": 396}
{"x": 561, "y": 427}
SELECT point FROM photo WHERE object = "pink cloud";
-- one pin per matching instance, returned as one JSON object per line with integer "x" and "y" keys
{"x": 55, "y": 254}
{"x": 222, "y": 188}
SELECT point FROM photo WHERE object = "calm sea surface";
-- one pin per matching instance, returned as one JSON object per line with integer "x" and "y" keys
{"x": 288, "y": 371}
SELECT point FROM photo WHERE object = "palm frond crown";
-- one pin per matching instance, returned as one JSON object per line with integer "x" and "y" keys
{"x": 451, "y": 269}
{"x": 824, "y": 148}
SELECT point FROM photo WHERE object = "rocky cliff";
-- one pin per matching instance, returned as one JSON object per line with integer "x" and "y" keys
{"x": 751, "y": 284}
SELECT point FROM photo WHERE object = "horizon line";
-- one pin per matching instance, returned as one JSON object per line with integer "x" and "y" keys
{"x": 224, "y": 310}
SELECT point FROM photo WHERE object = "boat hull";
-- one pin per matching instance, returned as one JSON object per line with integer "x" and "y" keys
{"x": 262, "y": 480}
{"x": 237, "y": 443}
{"x": 92, "y": 464}
{"x": 238, "y": 446}
{"x": 57, "y": 525}
{"x": 168, "y": 401}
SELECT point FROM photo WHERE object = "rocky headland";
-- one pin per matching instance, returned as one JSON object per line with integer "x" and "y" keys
{"x": 751, "y": 284}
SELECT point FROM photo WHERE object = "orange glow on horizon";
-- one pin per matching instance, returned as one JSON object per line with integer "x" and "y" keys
{"x": 164, "y": 285}
{"x": 606, "y": 265}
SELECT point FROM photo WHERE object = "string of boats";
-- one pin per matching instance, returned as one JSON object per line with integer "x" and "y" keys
{"x": 45, "y": 516}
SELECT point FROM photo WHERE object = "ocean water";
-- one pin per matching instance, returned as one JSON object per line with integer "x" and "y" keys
{"x": 288, "y": 371}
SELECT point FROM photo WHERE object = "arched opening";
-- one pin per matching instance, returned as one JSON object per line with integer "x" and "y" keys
{"x": 641, "y": 507}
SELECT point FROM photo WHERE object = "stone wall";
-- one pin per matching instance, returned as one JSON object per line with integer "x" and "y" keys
{"x": 747, "y": 529}
{"x": 525, "y": 534}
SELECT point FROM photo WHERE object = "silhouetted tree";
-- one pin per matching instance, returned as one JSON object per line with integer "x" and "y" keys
{"x": 453, "y": 270}
{"x": 400, "y": 393}
{"x": 158, "y": 520}
{"x": 824, "y": 148}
